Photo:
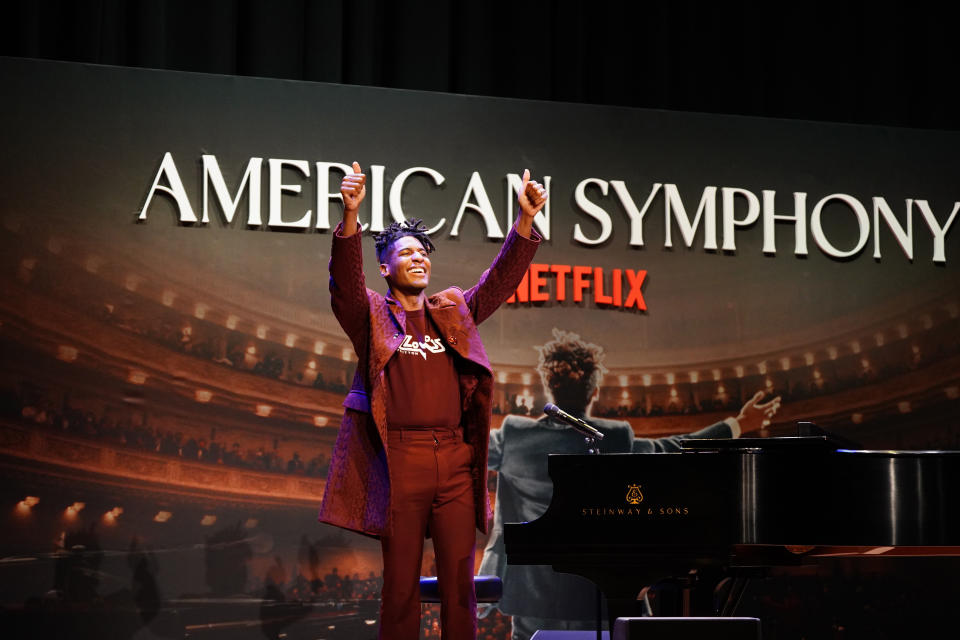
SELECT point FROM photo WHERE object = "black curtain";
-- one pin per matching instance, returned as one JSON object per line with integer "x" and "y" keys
{"x": 862, "y": 62}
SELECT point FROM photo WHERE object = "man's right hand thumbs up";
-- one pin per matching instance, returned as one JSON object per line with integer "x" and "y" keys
{"x": 352, "y": 188}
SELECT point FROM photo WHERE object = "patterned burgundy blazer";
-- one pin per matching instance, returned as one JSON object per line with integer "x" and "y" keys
{"x": 357, "y": 494}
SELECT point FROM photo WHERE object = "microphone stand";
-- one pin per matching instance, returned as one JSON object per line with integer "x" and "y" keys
{"x": 594, "y": 449}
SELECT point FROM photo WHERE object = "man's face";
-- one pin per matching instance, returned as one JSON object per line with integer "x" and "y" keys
{"x": 406, "y": 265}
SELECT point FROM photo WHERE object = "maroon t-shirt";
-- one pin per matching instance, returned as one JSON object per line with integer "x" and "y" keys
{"x": 423, "y": 389}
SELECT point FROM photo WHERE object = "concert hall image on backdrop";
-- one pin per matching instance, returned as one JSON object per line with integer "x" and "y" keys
{"x": 172, "y": 377}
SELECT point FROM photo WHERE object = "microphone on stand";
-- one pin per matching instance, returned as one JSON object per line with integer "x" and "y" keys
{"x": 553, "y": 410}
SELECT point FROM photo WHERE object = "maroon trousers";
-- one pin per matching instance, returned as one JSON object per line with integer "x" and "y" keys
{"x": 430, "y": 486}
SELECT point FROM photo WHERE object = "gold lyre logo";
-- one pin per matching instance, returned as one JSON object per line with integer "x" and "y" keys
{"x": 633, "y": 494}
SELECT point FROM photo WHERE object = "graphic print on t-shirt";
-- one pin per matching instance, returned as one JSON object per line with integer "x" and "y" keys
{"x": 423, "y": 388}
{"x": 412, "y": 346}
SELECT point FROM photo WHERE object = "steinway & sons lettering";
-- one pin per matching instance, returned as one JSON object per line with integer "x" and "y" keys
{"x": 634, "y": 512}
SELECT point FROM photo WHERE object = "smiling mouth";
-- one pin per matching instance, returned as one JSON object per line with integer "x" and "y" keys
{"x": 418, "y": 270}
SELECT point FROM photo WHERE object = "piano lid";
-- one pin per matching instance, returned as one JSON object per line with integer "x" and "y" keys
{"x": 796, "y": 444}
{"x": 809, "y": 438}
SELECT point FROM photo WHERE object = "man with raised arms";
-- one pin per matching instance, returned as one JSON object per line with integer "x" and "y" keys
{"x": 411, "y": 453}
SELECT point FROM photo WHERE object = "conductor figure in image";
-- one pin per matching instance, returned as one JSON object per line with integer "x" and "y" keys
{"x": 571, "y": 370}
{"x": 411, "y": 452}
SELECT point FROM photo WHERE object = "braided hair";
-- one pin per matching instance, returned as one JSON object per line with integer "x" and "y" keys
{"x": 396, "y": 230}
{"x": 570, "y": 368}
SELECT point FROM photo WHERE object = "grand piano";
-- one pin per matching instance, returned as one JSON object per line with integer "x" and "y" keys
{"x": 734, "y": 507}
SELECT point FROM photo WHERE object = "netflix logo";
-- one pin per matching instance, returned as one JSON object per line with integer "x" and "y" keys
{"x": 621, "y": 288}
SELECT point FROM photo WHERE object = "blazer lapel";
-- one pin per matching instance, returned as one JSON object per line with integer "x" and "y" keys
{"x": 394, "y": 322}
{"x": 450, "y": 320}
